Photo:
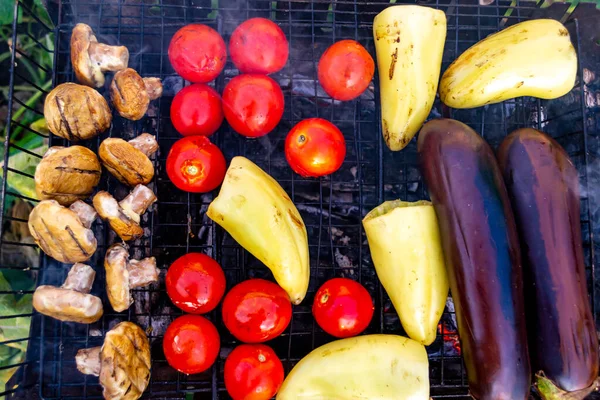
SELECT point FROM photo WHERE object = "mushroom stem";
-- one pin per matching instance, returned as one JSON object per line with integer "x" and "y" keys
{"x": 154, "y": 87}
{"x": 86, "y": 213}
{"x": 146, "y": 143}
{"x": 107, "y": 57}
{"x": 142, "y": 272}
{"x": 88, "y": 361}
{"x": 138, "y": 200}
{"x": 80, "y": 278}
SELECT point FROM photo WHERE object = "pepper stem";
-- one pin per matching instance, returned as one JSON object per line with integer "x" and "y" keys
{"x": 548, "y": 390}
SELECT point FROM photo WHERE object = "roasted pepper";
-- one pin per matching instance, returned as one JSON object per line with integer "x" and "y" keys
{"x": 405, "y": 245}
{"x": 261, "y": 217}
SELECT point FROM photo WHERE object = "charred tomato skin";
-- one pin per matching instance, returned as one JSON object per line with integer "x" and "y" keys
{"x": 343, "y": 307}
{"x": 197, "y": 110}
{"x": 253, "y": 372}
{"x": 345, "y": 70}
{"x": 191, "y": 344}
{"x": 258, "y": 46}
{"x": 253, "y": 104}
{"x": 197, "y": 53}
{"x": 195, "y": 283}
{"x": 195, "y": 165}
{"x": 256, "y": 310}
{"x": 315, "y": 147}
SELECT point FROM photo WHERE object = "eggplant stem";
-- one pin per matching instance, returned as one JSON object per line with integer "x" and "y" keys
{"x": 548, "y": 390}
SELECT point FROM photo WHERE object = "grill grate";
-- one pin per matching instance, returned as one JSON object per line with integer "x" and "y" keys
{"x": 332, "y": 207}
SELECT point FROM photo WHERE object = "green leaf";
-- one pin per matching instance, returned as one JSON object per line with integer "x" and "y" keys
{"x": 7, "y": 11}
{"x": 26, "y": 163}
{"x": 9, "y": 356}
{"x": 40, "y": 11}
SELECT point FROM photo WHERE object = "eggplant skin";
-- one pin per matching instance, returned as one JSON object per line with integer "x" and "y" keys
{"x": 543, "y": 186}
{"x": 481, "y": 249}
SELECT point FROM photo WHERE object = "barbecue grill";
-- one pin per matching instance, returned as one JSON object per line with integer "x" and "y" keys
{"x": 332, "y": 207}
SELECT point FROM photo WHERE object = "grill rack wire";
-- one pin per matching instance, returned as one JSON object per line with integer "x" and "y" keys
{"x": 332, "y": 207}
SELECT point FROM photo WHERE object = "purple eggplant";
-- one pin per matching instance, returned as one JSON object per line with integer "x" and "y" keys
{"x": 543, "y": 187}
{"x": 481, "y": 248}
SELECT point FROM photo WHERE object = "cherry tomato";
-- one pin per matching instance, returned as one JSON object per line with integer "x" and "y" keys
{"x": 197, "y": 52}
{"x": 195, "y": 283}
{"x": 197, "y": 110}
{"x": 253, "y": 104}
{"x": 345, "y": 70}
{"x": 195, "y": 165}
{"x": 191, "y": 344}
{"x": 253, "y": 372}
{"x": 258, "y": 46}
{"x": 256, "y": 310}
{"x": 343, "y": 307}
{"x": 315, "y": 147}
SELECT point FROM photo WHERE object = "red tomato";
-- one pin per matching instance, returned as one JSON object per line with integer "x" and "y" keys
{"x": 197, "y": 110}
{"x": 258, "y": 46}
{"x": 253, "y": 104}
{"x": 315, "y": 147}
{"x": 197, "y": 53}
{"x": 256, "y": 310}
{"x": 191, "y": 344}
{"x": 343, "y": 307}
{"x": 345, "y": 70}
{"x": 195, "y": 283}
{"x": 253, "y": 372}
{"x": 195, "y": 165}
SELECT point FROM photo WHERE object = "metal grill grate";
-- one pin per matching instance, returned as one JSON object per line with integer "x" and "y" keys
{"x": 332, "y": 207}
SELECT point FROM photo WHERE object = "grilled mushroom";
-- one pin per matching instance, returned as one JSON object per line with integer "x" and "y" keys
{"x": 67, "y": 174}
{"x": 91, "y": 59}
{"x": 129, "y": 162}
{"x": 123, "y": 362}
{"x": 131, "y": 94}
{"x": 63, "y": 233}
{"x": 124, "y": 217}
{"x": 123, "y": 274}
{"x": 72, "y": 301}
{"x": 76, "y": 112}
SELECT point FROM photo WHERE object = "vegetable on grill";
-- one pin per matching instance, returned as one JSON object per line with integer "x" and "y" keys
{"x": 67, "y": 174}
{"x": 63, "y": 233}
{"x": 129, "y": 162}
{"x": 131, "y": 94}
{"x": 543, "y": 185}
{"x": 123, "y": 362}
{"x": 71, "y": 301}
{"x": 76, "y": 112}
{"x": 255, "y": 210}
{"x": 382, "y": 367}
{"x": 532, "y": 58}
{"x": 405, "y": 245}
{"x": 91, "y": 59}
{"x": 481, "y": 249}
{"x": 409, "y": 41}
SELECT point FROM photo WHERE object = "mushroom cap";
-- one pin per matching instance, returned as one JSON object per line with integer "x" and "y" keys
{"x": 117, "y": 277}
{"x": 67, "y": 174}
{"x": 126, "y": 163}
{"x": 76, "y": 112}
{"x": 108, "y": 208}
{"x": 125, "y": 362}
{"x": 129, "y": 95}
{"x": 60, "y": 233}
{"x": 67, "y": 304}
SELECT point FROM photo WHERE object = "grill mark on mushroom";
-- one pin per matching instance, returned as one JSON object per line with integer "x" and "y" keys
{"x": 118, "y": 88}
{"x": 129, "y": 166}
{"x": 72, "y": 234}
{"x": 60, "y": 249}
{"x": 80, "y": 195}
{"x": 63, "y": 118}
{"x": 125, "y": 360}
{"x": 43, "y": 243}
{"x": 72, "y": 170}
{"x": 92, "y": 112}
